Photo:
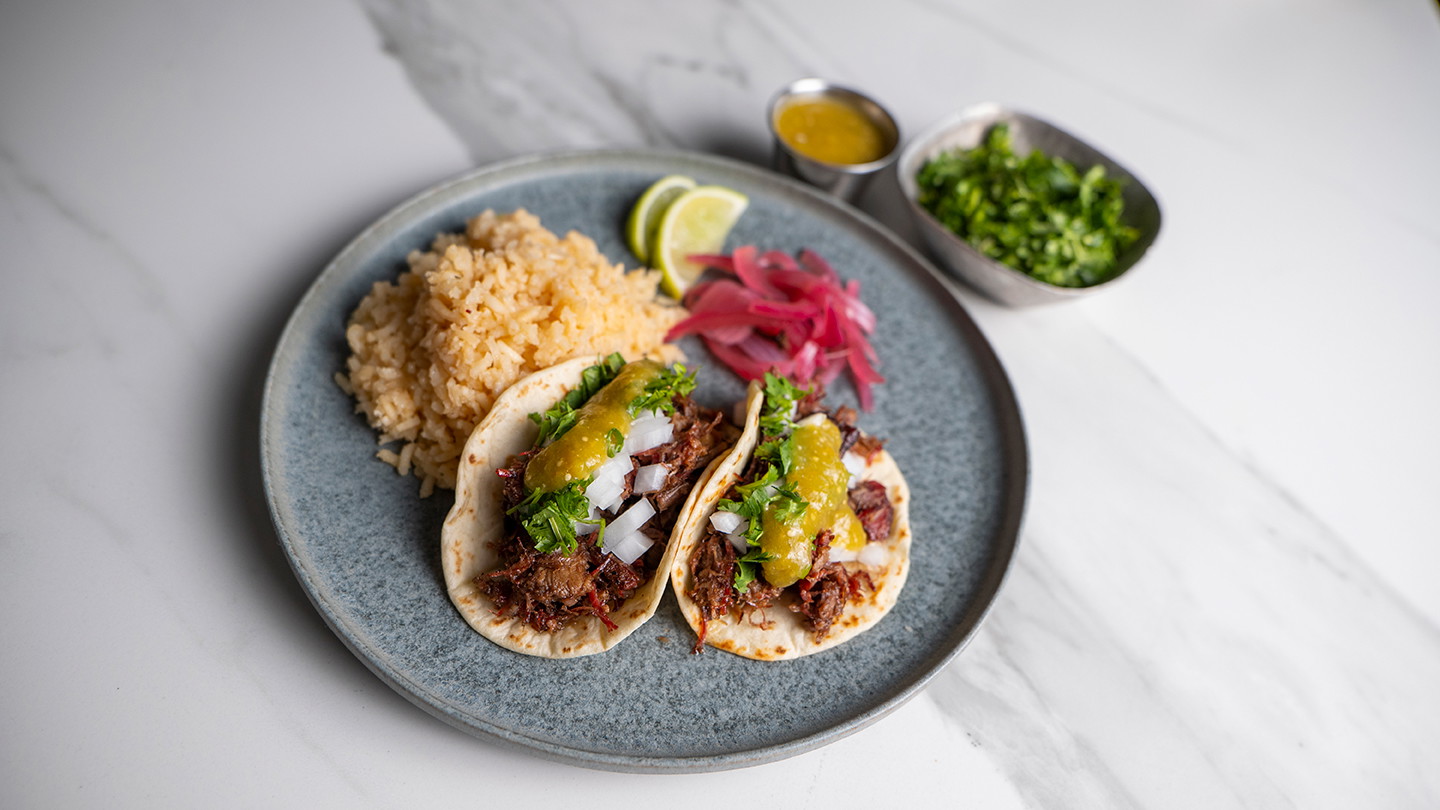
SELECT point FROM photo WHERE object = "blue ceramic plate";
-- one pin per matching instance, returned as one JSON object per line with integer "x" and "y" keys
{"x": 366, "y": 548}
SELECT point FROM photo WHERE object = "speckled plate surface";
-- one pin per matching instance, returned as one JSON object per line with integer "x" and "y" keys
{"x": 366, "y": 548}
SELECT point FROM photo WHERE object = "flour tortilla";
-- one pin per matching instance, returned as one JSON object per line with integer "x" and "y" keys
{"x": 777, "y": 633}
{"x": 476, "y": 522}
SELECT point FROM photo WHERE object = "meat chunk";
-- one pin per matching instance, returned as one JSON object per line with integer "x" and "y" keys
{"x": 822, "y": 595}
{"x": 872, "y": 506}
{"x": 558, "y": 579}
{"x": 712, "y": 578}
{"x": 824, "y": 600}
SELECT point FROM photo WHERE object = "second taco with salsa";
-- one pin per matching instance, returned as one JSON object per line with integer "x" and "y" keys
{"x": 800, "y": 539}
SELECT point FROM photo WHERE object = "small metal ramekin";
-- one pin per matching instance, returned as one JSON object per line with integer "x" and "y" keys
{"x": 844, "y": 180}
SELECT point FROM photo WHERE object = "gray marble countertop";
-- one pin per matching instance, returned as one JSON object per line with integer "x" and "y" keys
{"x": 1224, "y": 594}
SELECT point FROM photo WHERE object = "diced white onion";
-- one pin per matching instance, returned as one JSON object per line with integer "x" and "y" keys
{"x": 875, "y": 554}
{"x": 812, "y": 419}
{"x": 630, "y": 520}
{"x": 605, "y": 493}
{"x": 738, "y": 542}
{"x": 615, "y": 468}
{"x": 649, "y": 415}
{"x": 628, "y": 548}
{"x": 647, "y": 431}
{"x": 728, "y": 522}
{"x": 855, "y": 464}
{"x": 609, "y": 483}
{"x": 841, "y": 554}
{"x": 650, "y": 478}
{"x": 649, "y": 437}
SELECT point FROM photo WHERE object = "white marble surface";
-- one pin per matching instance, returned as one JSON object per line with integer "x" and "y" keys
{"x": 1225, "y": 591}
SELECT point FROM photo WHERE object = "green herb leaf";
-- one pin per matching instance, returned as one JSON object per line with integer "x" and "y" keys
{"x": 780, "y": 398}
{"x": 1036, "y": 213}
{"x": 780, "y": 452}
{"x": 788, "y": 503}
{"x": 549, "y": 517}
{"x": 614, "y": 440}
{"x": 744, "y": 575}
{"x": 660, "y": 393}
{"x": 747, "y": 568}
{"x": 561, "y": 416}
{"x": 754, "y": 497}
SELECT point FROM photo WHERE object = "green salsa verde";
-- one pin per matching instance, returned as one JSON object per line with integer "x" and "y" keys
{"x": 821, "y": 479}
{"x": 580, "y": 451}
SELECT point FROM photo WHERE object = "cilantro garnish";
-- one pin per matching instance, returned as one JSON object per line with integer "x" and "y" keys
{"x": 746, "y": 569}
{"x": 614, "y": 440}
{"x": 766, "y": 491}
{"x": 757, "y": 495}
{"x": 1037, "y": 214}
{"x": 562, "y": 415}
{"x": 549, "y": 517}
{"x": 660, "y": 393}
{"x": 779, "y": 452}
{"x": 780, "y": 398}
{"x": 788, "y": 503}
{"x": 753, "y": 499}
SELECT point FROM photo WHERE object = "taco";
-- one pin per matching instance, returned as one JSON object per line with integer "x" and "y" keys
{"x": 558, "y": 544}
{"x": 800, "y": 539}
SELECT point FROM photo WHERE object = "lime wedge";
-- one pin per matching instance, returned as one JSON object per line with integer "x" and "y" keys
{"x": 696, "y": 222}
{"x": 645, "y": 216}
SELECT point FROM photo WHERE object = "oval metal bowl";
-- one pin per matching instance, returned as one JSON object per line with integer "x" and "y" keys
{"x": 996, "y": 280}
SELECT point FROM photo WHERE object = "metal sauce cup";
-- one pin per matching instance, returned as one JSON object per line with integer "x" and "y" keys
{"x": 844, "y": 180}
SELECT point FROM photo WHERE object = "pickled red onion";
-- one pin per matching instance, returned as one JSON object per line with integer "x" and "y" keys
{"x": 790, "y": 315}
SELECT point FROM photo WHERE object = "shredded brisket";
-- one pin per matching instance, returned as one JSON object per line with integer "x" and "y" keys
{"x": 822, "y": 595}
{"x": 712, "y": 584}
{"x": 712, "y": 580}
{"x": 701, "y": 434}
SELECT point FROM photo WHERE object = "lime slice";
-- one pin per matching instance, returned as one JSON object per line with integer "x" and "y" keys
{"x": 696, "y": 222}
{"x": 645, "y": 216}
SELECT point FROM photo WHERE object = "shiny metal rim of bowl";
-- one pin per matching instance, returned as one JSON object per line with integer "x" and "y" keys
{"x": 997, "y": 280}
{"x": 872, "y": 109}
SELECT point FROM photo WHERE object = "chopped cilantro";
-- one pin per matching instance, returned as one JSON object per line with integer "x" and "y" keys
{"x": 754, "y": 497}
{"x": 549, "y": 517}
{"x": 1037, "y": 214}
{"x": 788, "y": 503}
{"x": 746, "y": 569}
{"x": 562, "y": 415}
{"x": 614, "y": 440}
{"x": 780, "y": 398}
{"x": 779, "y": 452}
{"x": 660, "y": 392}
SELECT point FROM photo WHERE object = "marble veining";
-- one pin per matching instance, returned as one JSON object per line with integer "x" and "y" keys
{"x": 147, "y": 290}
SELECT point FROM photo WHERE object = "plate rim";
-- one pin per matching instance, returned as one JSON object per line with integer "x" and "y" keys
{"x": 497, "y": 174}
